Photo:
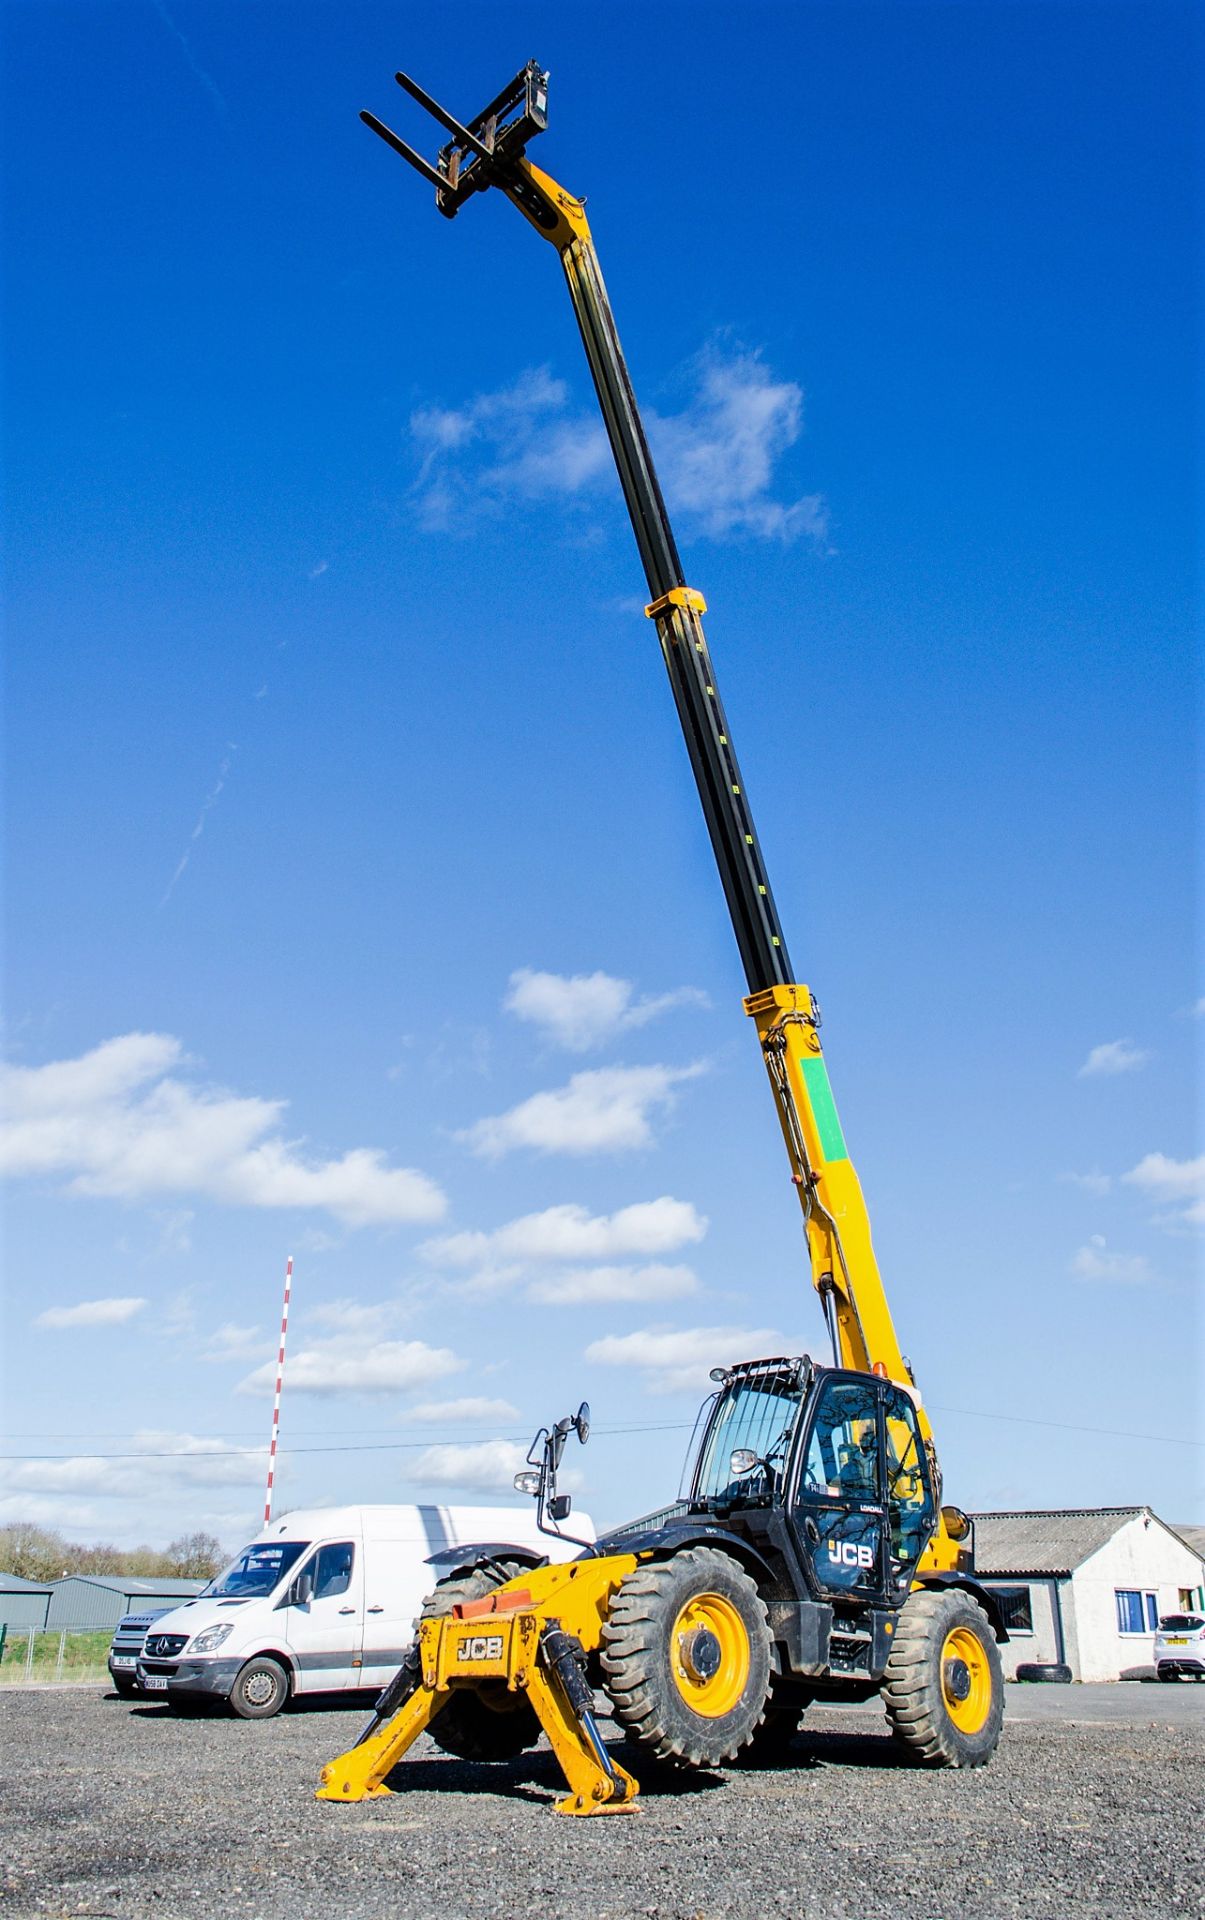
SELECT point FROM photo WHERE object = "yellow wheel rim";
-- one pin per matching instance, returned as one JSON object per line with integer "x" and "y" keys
{"x": 709, "y": 1654}
{"x": 961, "y": 1650}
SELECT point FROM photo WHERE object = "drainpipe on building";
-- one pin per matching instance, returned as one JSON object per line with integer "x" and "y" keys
{"x": 1057, "y": 1610}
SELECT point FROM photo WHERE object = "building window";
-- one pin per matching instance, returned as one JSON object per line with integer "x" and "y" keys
{"x": 1136, "y": 1612}
{"x": 1016, "y": 1604}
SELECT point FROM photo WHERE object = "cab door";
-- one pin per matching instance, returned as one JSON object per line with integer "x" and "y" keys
{"x": 839, "y": 1508}
{"x": 325, "y": 1631}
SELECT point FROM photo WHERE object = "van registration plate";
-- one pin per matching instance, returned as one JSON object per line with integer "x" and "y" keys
{"x": 124, "y": 1660}
{"x": 155, "y": 1682}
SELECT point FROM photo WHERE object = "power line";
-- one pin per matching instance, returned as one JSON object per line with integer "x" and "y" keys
{"x": 1069, "y": 1426}
{"x": 383, "y": 1446}
{"x": 663, "y": 1426}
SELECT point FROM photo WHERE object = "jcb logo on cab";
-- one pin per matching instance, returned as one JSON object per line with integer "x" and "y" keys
{"x": 844, "y": 1553}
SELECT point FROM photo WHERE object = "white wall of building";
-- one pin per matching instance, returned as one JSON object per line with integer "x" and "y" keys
{"x": 1142, "y": 1557}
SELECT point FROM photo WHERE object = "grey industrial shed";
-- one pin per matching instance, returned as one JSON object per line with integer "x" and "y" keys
{"x": 94, "y": 1600}
{"x": 23, "y": 1603}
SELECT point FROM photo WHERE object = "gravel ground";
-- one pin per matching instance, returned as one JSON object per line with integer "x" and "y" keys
{"x": 116, "y": 1809}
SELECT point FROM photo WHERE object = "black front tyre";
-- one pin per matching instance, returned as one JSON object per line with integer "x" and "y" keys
{"x": 261, "y": 1689}
{"x": 686, "y": 1658}
{"x": 487, "y": 1722}
{"x": 944, "y": 1685}
{"x": 128, "y": 1689}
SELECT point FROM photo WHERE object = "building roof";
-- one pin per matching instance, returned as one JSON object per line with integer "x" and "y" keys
{"x": 128, "y": 1583}
{"x": 13, "y": 1583}
{"x": 1053, "y": 1541}
{"x": 1193, "y": 1537}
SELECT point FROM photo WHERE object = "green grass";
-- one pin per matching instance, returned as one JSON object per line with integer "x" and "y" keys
{"x": 84, "y": 1657}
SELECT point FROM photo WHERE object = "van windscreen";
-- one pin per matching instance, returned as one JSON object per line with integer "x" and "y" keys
{"x": 257, "y": 1570}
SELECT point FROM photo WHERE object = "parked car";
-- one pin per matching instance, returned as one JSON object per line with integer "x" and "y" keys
{"x": 324, "y": 1601}
{"x": 126, "y": 1647}
{"x": 1180, "y": 1646}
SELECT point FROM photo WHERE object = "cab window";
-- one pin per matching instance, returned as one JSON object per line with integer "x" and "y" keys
{"x": 842, "y": 1460}
{"x": 332, "y": 1569}
{"x": 910, "y": 1507}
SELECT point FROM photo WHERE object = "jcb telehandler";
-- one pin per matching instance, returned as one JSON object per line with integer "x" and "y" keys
{"x": 811, "y": 1556}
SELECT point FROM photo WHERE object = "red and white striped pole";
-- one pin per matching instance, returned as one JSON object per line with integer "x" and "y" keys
{"x": 280, "y": 1375}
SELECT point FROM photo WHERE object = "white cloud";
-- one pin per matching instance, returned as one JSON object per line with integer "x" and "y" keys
{"x": 603, "y": 1110}
{"x": 349, "y": 1364}
{"x": 471, "y": 1407}
{"x": 1113, "y": 1057}
{"x": 570, "y": 1233}
{"x": 114, "y": 1122}
{"x": 583, "y": 1010}
{"x": 231, "y": 1342}
{"x": 1096, "y": 1262}
{"x": 680, "y": 1362}
{"x": 1180, "y": 1183}
{"x": 480, "y": 1466}
{"x": 718, "y": 458}
{"x": 160, "y": 1462}
{"x": 91, "y": 1313}
{"x": 1095, "y": 1182}
{"x": 581, "y": 1286}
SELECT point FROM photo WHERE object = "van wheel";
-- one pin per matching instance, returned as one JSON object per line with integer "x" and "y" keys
{"x": 261, "y": 1689}
{"x": 489, "y": 1723}
{"x": 126, "y": 1688}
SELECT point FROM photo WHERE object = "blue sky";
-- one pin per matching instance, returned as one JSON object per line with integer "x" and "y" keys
{"x": 359, "y": 901}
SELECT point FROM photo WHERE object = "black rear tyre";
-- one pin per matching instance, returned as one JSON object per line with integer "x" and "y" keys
{"x": 686, "y": 1658}
{"x": 1051, "y": 1670}
{"x": 490, "y": 1722}
{"x": 944, "y": 1686}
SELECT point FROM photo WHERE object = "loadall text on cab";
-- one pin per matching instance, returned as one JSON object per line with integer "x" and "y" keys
{"x": 812, "y": 1555}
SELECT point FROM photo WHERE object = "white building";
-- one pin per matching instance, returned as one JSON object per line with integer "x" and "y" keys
{"x": 1086, "y": 1587}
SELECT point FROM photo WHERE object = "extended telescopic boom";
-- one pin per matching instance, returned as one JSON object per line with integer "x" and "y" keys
{"x": 490, "y": 152}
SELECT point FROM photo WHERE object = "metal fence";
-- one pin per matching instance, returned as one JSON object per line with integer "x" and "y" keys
{"x": 31, "y": 1656}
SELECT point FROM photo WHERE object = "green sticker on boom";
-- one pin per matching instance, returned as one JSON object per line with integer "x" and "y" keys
{"x": 824, "y": 1109}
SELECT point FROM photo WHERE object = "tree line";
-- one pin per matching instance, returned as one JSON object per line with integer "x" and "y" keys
{"x": 38, "y": 1553}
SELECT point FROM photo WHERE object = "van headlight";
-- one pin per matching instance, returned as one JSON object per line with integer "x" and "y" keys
{"x": 212, "y": 1637}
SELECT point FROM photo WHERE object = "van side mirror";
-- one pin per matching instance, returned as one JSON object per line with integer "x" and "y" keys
{"x": 560, "y": 1507}
{"x": 303, "y": 1589}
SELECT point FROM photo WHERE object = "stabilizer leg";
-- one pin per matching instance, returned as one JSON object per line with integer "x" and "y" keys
{"x": 360, "y": 1773}
{"x": 597, "y": 1784}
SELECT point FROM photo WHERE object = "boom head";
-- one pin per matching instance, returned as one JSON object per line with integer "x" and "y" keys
{"x": 483, "y": 153}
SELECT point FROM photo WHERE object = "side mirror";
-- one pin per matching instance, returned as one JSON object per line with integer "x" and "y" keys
{"x": 527, "y": 1482}
{"x": 742, "y": 1460}
{"x": 303, "y": 1589}
{"x": 581, "y": 1422}
{"x": 560, "y": 1507}
{"x": 957, "y": 1524}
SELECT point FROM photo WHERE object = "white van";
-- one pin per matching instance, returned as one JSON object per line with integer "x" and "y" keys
{"x": 324, "y": 1601}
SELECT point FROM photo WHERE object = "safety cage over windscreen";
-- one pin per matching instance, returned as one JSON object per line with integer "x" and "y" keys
{"x": 745, "y": 1452}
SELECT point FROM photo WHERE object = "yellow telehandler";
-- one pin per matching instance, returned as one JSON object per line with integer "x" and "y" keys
{"x": 811, "y": 1556}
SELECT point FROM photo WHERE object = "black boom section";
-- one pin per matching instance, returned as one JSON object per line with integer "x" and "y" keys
{"x": 489, "y": 151}
{"x": 692, "y": 677}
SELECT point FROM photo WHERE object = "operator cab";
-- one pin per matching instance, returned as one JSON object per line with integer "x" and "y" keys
{"x": 839, "y": 1454}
